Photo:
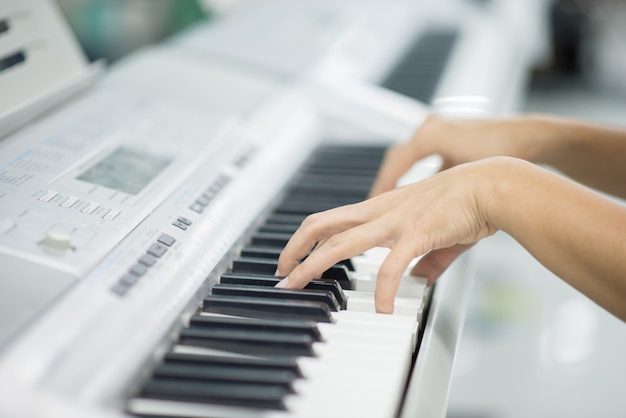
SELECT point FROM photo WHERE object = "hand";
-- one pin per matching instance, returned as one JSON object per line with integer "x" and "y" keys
{"x": 442, "y": 214}
{"x": 460, "y": 141}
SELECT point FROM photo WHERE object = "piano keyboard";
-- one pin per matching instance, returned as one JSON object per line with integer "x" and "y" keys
{"x": 254, "y": 350}
{"x": 417, "y": 74}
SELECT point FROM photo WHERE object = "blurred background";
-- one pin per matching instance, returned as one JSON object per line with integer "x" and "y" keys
{"x": 110, "y": 29}
{"x": 588, "y": 38}
{"x": 532, "y": 346}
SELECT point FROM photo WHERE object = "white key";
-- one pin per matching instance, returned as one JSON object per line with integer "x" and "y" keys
{"x": 193, "y": 410}
{"x": 370, "y": 261}
{"x": 410, "y": 286}
{"x": 360, "y": 370}
{"x": 359, "y": 363}
{"x": 364, "y": 302}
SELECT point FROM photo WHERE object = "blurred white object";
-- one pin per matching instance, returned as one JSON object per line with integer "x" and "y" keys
{"x": 462, "y": 107}
{"x": 605, "y": 46}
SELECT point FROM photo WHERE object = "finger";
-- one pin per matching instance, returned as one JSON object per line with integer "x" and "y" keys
{"x": 397, "y": 161}
{"x": 315, "y": 229}
{"x": 389, "y": 275}
{"x": 433, "y": 264}
{"x": 336, "y": 248}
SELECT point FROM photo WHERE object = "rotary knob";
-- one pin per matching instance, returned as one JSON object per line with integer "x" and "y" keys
{"x": 57, "y": 241}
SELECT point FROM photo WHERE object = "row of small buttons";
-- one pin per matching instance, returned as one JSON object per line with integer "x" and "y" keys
{"x": 144, "y": 262}
{"x": 209, "y": 194}
{"x": 83, "y": 205}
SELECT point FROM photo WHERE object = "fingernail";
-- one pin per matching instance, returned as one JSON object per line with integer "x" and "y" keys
{"x": 277, "y": 273}
{"x": 283, "y": 283}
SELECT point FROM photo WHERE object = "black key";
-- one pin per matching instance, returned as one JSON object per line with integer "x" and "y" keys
{"x": 245, "y": 324}
{"x": 249, "y": 342}
{"x": 350, "y": 155}
{"x": 281, "y": 218}
{"x": 277, "y": 293}
{"x": 264, "y": 266}
{"x": 270, "y": 239}
{"x": 326, "y": 190}
{"x": 347, "y": 180}
{"x": 250, "y": 279}
{"x": 261, "y": 252}
{"x": 314, "y": 187}
{"x": 327, "y": 198}
{"x": 217, "y": 374}
{"x": 339, "y": 273}
{"x": 256, "y": 363}
{"x": 243, "y": 395}
{"x": 267, "y": 280}
{"x": 304, "y": 208}
{"x": 4, "y": 25}
{"x": 280, "y": 228}
{"x": 254, "y": 265}
{"x": 267, "y": 308}
{"x": 273, "y": 254}
{"x": 347, "y": 263}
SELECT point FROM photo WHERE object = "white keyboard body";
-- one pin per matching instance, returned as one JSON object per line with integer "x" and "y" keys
{"x": 197, "y": 139}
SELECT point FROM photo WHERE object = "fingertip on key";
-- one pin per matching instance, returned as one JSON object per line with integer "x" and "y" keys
{"x": 284, "y": 283}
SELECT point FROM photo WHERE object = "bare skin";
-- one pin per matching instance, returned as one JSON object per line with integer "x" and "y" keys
{"x": 487, "y": 185}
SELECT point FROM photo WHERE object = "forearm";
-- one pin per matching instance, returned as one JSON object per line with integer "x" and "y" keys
{"x": 591, "y": 154}
{"x": 574, "y": 232}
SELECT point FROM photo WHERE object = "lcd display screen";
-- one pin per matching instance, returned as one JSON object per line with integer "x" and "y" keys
{"x": 125, "y": 170}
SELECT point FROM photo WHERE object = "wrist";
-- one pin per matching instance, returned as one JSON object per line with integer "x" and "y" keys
{"x": 504, "y": 191}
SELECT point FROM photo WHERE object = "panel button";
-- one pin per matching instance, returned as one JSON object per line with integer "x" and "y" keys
{"x": 111, "y": 214}
{"x": 183, "y": 220}
{"x": 139, "y": 269}
{"x": 148, "y": 260}
{"x": 69, "y": 202}
{"x": 129, "y": 279}
{"x": 6, "y": 225}
{"x": 119, "y": 289}
{"x": 157, "y": 249}
{"x": 90, "y": 208}
{"x": 48, "y": 195}
{"x": 203, "y": 200}
{"x": 180, "y": 225}
{"x": 166, "y": 239}
{"x": 197, "y": 208}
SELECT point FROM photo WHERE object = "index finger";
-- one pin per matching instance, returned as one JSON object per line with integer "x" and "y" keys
{"x": 316, "y": 228}
{"x": 338, "y": 247}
